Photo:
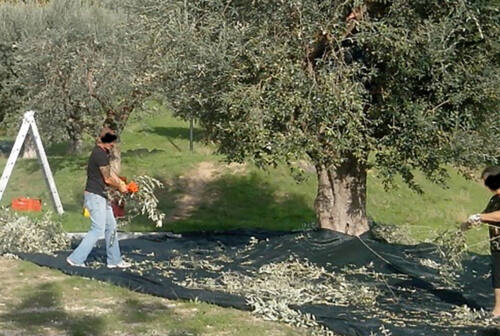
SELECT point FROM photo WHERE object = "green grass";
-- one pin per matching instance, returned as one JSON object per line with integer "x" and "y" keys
{"x": 159, "y": 146}
{"x": 263, "y": 200}
{"x": 437, "y": 209}
{"x": 41, "y": 301}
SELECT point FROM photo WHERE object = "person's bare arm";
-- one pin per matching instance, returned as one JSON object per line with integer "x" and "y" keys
{"x": 112, "y": 179}
{"x": 490, "y": 217}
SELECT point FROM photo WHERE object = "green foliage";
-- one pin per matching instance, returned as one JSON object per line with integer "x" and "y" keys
{"x": 52, "y": 45}
{"x": 142, "y": 202}
{"x": 415, "y": 82}
{"x": 76, "y": 63}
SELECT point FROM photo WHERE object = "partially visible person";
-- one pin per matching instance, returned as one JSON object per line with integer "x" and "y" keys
{"x": 491, "y": 216}
{"x": 100, "y": 176}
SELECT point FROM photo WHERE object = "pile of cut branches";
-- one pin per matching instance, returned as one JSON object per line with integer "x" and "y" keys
{"x": 25, "y": 234}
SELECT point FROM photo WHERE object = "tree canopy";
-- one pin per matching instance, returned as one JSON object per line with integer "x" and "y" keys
{"x": 79, "y": 65}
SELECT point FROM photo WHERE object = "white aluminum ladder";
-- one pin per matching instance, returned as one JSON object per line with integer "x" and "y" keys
{"x": 29, "y": 122}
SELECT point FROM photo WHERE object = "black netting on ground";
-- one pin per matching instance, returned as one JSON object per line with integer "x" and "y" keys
{"x": 291, "y": 276}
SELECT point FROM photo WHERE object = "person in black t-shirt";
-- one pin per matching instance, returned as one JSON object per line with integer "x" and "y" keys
{"x": 491, "y": 216}
{"x": 99, "y": 177}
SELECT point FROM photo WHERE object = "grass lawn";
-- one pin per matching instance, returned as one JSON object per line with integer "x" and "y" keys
{"x": 437, "y": 209}
{"x": 41, "y": 301}
{"x": 159, "y": 147}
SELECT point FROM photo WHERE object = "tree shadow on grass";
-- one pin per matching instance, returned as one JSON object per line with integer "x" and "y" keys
{"x": 6, "y": 147}
{"x": 51, "y": 149}
{"x": 177, "y": 132}
{"x": 236, "y": 201}
{"x": 135, "y": 311}
{"x": 56, "y": 155}
{"x": 140, "y": 153}
{"x": 71, "y": 163}
{"x": 79, "y": 163}
{"x": 44, "y": 308}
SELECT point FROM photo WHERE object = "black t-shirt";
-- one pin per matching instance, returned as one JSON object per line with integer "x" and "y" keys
{"x": 494, "y": 205}
{"x": 95, "y": 181}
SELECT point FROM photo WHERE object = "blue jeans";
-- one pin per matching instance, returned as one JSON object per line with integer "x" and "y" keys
{"x": 102, "y": 221}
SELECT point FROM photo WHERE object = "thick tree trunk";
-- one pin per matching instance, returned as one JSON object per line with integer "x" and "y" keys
{"x": 29, "y": 148}
{"x": 75, "y": 146}
{"x": 115, "y": 159}
{"x": 75, "y": 129}
{"x": 341, "y": 200}
{"x": 117, "y": 122}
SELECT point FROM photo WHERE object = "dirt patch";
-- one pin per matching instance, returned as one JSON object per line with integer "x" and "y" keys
{"x": 305, "y": 166}
{"x": 236, "y": 168}
{"x": 194, "y": 187}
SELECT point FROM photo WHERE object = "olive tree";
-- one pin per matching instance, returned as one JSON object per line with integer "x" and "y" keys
{"x": 80, "y": 65}
{"x": 395, "y": 85}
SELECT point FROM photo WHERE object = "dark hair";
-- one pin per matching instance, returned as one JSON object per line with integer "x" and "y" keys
{"x": 491, "y": 177}
{"x": 108, "y": 138}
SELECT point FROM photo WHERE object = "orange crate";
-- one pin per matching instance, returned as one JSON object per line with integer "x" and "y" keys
{"x": 26, "y": 204}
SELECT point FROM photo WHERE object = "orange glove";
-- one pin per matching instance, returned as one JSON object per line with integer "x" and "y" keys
{"x": 132, "y": 187}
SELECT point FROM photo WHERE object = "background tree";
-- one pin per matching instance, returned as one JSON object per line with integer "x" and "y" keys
{"x": 78, "y": 64}
{"x": 397, "y": 85}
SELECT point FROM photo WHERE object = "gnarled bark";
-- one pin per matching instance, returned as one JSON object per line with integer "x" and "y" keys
{"x": 116, "y": 159}
{"x": 341, "y": 200}
{"x": 75, "y": 133}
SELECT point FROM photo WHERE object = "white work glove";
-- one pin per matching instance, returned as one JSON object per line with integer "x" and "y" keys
{"x": 474, "y": 219}
{"x": 471, "y": 221}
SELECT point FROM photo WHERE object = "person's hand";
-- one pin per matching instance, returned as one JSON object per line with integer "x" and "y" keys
{"x": 474, "y": 219}
{"x": 123, "y": 187}
{"x": 470, "y": 222}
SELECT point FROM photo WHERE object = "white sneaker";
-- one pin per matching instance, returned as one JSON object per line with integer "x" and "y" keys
{"x": 72, "y": 263}
{"x": 121, "y": 264}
